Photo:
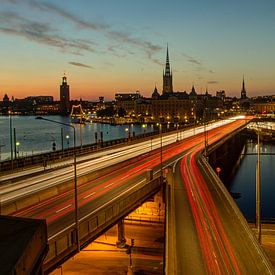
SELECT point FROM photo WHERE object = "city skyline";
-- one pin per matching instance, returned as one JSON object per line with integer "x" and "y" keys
{"x": 106, "y": 47}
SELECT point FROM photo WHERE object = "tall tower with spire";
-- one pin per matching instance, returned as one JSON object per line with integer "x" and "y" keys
{"x": 243, "y": 92}
{"x": 167, "y": 77}
{"x": 64, "y": 96}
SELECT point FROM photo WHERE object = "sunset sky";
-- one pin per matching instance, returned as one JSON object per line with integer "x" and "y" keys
{"x": 110, "y": 46}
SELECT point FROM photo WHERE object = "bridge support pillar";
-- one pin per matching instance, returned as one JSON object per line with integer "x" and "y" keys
{"x": 121, "y": 242}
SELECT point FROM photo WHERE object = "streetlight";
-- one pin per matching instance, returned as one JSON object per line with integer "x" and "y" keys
{"x": 75, "y": 179}
{"x": 1, "y": 145}
{"x": 144, "y": 126}
{"x": 127, "y": 132}
{"x": 177, "y": 131}
{"x": 160, "y": 133}
{"x": 205, "y": 135}
{"x": 68, "y": 140}
{"x": 11, "y": 142}
{"x": 17, "y": 144}
{"x": 258, "y": 191}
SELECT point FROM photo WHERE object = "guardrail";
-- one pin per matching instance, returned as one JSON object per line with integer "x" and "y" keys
{"x": 46, "y": 158}
{"x": 63, "y": 244}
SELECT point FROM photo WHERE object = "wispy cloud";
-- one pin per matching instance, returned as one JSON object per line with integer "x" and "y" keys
{"x": 80, "y": 65}
{"x": 13, "y": 24}
{"x": 212, "y": 82}
{"x": 192, "y": 60}
{"x": 42, "y": 33}
{"x": 121, "y": 37}
{"x": 198, "y": 64}
{"x": 61, "y": 12}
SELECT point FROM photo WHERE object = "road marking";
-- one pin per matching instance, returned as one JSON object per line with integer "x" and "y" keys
{"x": 65, "y": 207}
{"x": 88, "y": 195}
{"x": 109, "y": 185}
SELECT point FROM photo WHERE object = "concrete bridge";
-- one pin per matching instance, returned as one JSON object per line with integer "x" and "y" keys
{"x": 98, "y": 215}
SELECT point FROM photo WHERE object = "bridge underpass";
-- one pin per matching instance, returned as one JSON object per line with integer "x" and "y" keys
{"x": 143, "y": 234}
{"x": 64, "y": 244}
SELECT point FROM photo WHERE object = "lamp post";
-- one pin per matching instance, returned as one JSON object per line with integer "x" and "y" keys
{"x": 160, "y": 132}
{"x": 205, "y": 136}
{"x": 11, "y": 141}
{"x": 17, "y": 144}
{"x": 75, "y": 179}
{"x": 68, "y": 140}
{"x": 258, "y": 191}
{"x": 127, "y": 133}
{"x": 1, "y": 145}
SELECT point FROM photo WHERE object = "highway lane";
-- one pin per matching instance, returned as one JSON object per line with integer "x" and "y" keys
{"x": 206, "y": 218}
{"x": 87, "y": 164}
{"x": 59, "y": 209}
{"x": 97, "y": 192}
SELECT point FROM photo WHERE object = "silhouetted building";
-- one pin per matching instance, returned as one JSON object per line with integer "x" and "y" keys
{"x": 243, "y": 92}
{"x": 40, "y": 99}
{"x": 127, "y": 96}
{"x": 221, "y": 95}
{"x": 155, "y": 94}
{"x": 167, "y": 77}
{"x": 169, "y": 106}
{"x": 64, "y": 97}
{"x": 5, "y": 105}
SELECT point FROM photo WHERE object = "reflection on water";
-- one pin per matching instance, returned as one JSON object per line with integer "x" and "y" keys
{"x": 245, "y": 180}
{"x": 36, "y": 136}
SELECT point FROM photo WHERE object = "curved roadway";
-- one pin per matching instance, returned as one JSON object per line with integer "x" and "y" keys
{"x": 211, "y": 236}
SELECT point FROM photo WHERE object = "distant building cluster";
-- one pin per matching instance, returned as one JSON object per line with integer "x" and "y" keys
{"x": 167, "y": 106}
{"x": 45, "y": 105}
{"x": 171, "y": 106}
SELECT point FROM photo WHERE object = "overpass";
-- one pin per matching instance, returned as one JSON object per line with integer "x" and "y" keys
{"x": 206, "y": 232}
{"x": 98, "y": 210}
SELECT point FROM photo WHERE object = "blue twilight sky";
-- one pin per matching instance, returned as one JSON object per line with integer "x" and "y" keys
{"x": 120, "y": 46}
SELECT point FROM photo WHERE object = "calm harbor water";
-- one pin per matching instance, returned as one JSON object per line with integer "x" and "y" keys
{"x": 245, "y": 180}
{"x": 35, "y": 136}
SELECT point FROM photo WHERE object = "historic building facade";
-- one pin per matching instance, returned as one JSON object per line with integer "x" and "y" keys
{"x": 170, "y": 106}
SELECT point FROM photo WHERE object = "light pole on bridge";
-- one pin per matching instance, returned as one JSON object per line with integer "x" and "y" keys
{"x": 258, "y": 190}
{"x": 75, "y": 178}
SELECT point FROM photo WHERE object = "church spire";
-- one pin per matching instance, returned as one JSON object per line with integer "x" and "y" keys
{"x": 167, "y": 66}
{"x": 167, "y": 76}
{"x": 243, "y": 92}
